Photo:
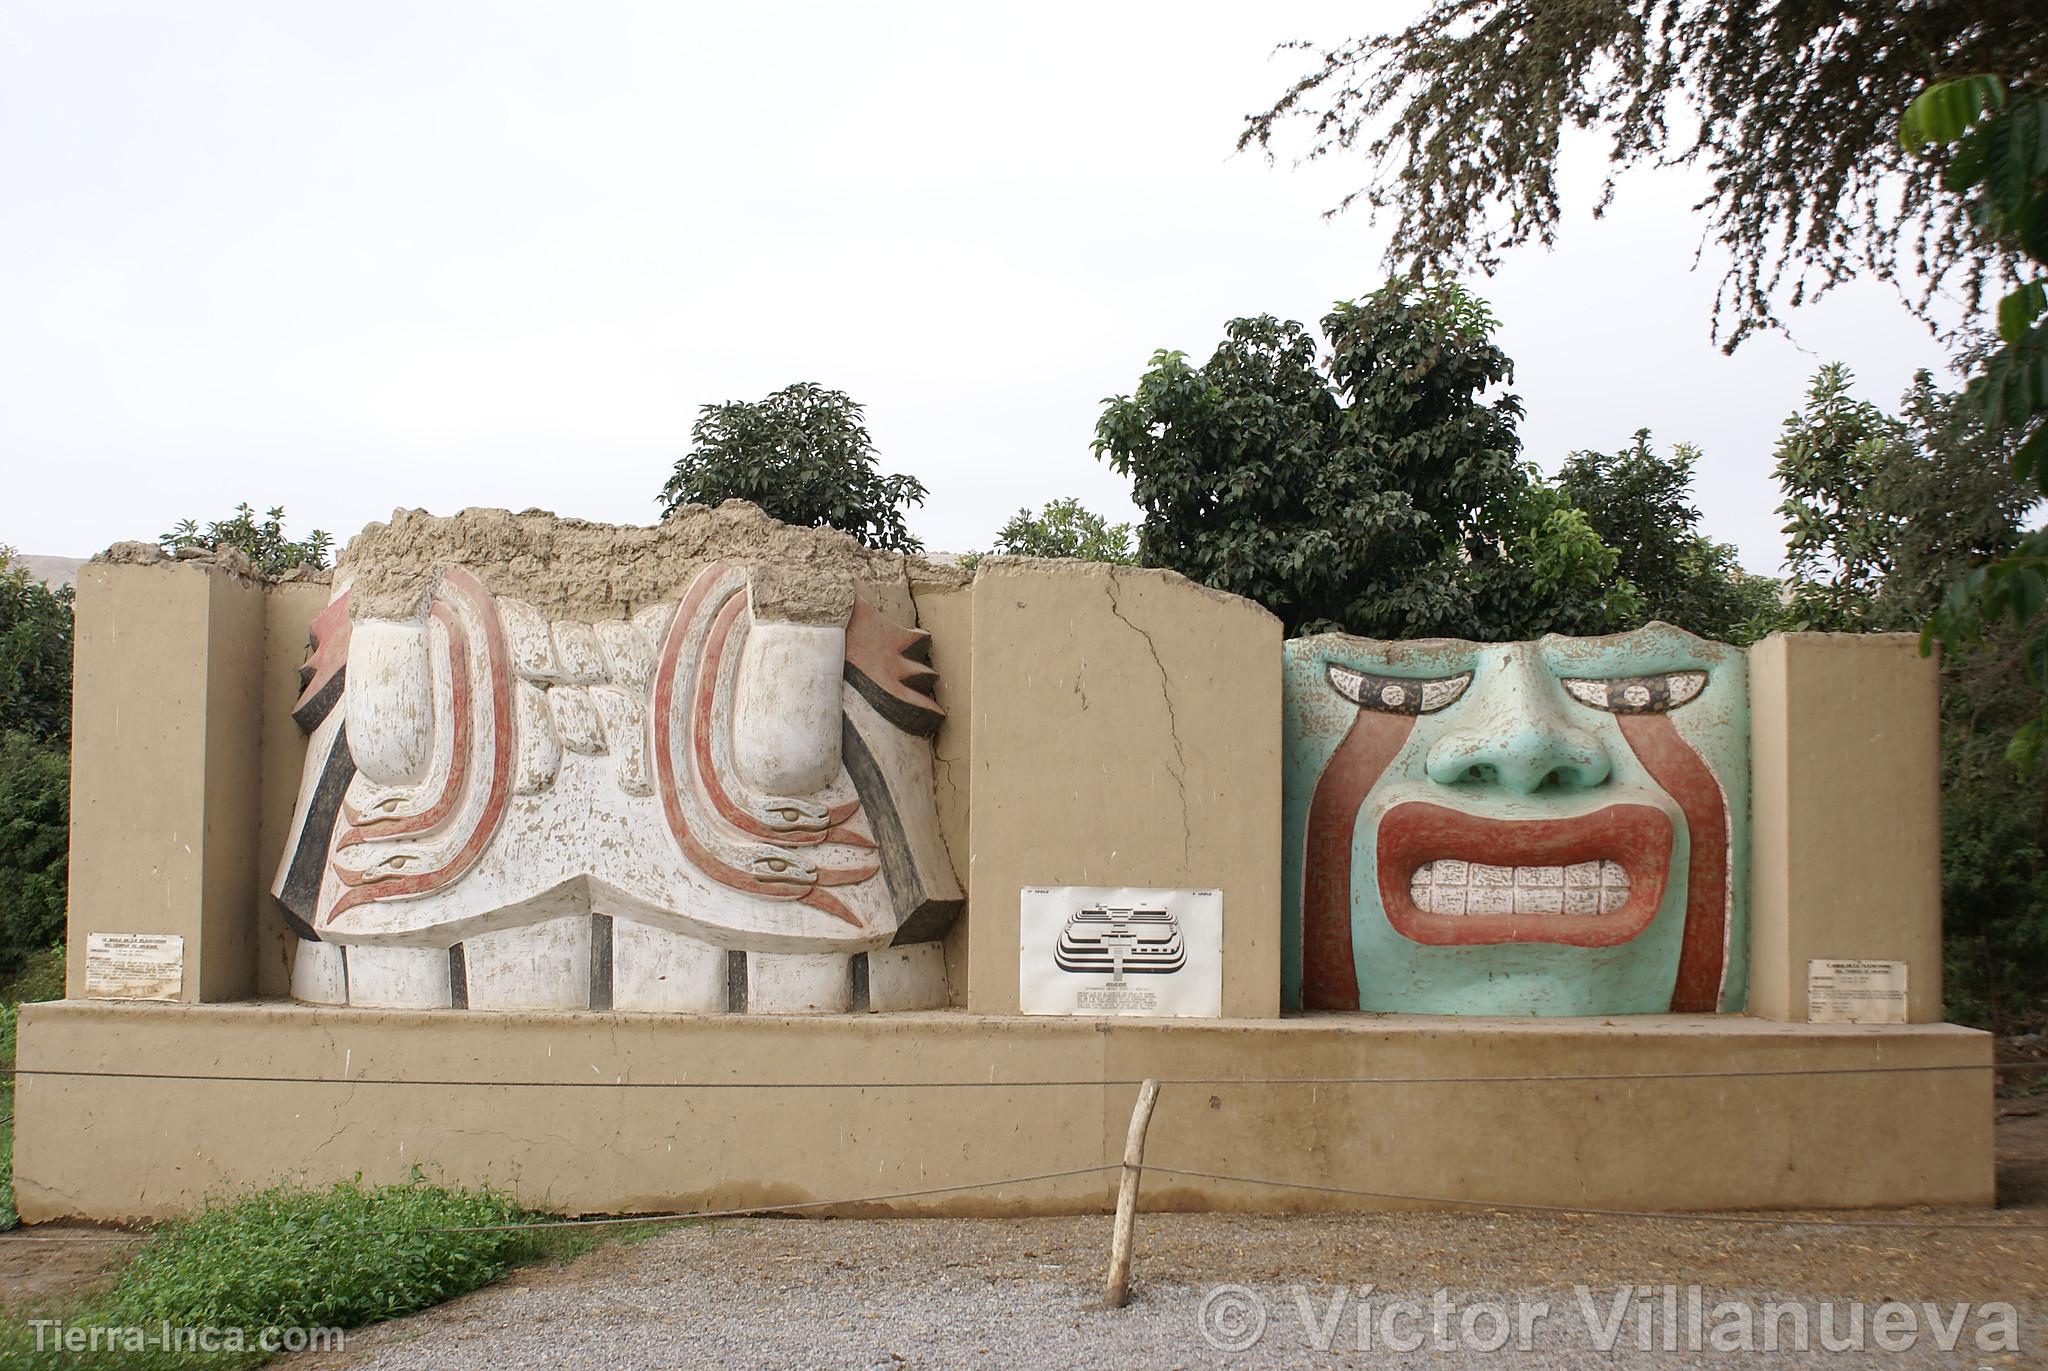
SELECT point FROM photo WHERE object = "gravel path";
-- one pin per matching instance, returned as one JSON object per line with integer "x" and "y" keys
{"x": 1026, "y": 1292}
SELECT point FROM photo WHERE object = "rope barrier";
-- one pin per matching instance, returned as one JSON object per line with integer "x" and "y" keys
{"x": 608, "y": 1221}
{"x": 1679, "y": 1216}
{"x": 1076, "y": 1083}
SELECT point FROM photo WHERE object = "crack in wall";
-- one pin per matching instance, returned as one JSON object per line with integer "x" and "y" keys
{"x": 1113, "y": 588}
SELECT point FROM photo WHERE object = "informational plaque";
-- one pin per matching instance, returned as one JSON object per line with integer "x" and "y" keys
{"x": 1121, "y": 950}
{"x": 134, "y": 966}
{"x": 1855, "y": 992}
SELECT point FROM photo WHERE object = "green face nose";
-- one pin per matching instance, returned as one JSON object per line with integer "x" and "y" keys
{"x": 1514, "y": 730}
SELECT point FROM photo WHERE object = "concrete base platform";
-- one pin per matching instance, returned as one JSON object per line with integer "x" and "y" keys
{"x": 127, "y": 1111}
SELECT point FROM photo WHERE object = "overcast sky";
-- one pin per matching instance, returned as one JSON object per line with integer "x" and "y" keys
{"x": 346, "y": 257}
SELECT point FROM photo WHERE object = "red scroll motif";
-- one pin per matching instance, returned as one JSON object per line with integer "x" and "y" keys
{"x": 370, "y": 886}
{"x": 725, "y": 832}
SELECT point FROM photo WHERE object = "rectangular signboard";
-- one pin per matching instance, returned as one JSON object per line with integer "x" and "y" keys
{"x": 1121, "y": 950}
{"x": 134, "y": 966}
{"x": 1855, "y": 991}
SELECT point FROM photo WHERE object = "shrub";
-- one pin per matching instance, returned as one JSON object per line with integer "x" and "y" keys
{"x": 35, "y": 810}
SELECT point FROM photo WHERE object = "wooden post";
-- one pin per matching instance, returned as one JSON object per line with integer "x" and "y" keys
{"x": 1119, "y": 1291}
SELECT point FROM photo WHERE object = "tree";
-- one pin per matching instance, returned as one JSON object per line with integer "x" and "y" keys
{"x": 35, "y": 810}
{"x": 269, "y": 551}
{"x": 1997, "y": 145}
{"x": 1790, "y": 108}
{"x": 35, "y": 773}
{"x": 1064, "y": 529}
{"x": 35, "y": 655}
{"x": 1640, "y": 504}
{"x": 1388, "y": 500}
{"x": 803, "y": 455}
{"x": 1883, "y": 512}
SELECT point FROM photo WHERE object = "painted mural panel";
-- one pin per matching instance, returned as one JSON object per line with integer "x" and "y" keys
{"x": 1551, "y": 827}
{"x": 705, "y": 805}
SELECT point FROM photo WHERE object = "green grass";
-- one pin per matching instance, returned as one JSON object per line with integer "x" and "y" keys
{"x": 292, "y": 1258}
{"x": 287, "y": 1258}
{"x": 42, "y": 978}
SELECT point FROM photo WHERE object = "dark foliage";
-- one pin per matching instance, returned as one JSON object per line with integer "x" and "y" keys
{"x": 1791, "y": 108}
{"x": 35, "y": 655}
{"x": 802, "y": 454}
{"x": 1387, "y": 500}
{"x": 35, "y": 812}
{"x": 1641, "y": 506}
{"x": 269, "y": 551}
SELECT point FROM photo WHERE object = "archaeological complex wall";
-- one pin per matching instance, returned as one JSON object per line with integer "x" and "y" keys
{"x": 723, "y": 863}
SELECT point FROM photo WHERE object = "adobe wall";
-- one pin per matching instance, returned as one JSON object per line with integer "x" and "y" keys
{"x": 635, "y": 1113}
{"x": 1102, "y": 727}
{"x": 1847, "y": 814}
{"x": 1126, "y": 733}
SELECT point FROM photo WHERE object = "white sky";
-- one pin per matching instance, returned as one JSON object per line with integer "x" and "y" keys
{"x": 346, "y": 257}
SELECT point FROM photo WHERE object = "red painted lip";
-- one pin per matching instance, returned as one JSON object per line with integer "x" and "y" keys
{"x": 1414, "y": 833}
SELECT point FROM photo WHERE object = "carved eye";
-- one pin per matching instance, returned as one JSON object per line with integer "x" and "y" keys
{"x": 789, "y": 815}
{"x": 1397, "y": 694}
{"x": 1658, "y": 694}
{"x": 775, "y": 863}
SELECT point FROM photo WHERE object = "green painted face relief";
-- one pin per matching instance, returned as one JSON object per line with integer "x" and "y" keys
{"x": 1556, "y": 827}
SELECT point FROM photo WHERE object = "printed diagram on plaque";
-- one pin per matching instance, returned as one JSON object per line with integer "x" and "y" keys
{"x": 1099, "y": 950}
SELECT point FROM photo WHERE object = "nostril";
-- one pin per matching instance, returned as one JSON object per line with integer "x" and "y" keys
{"x": 1479, "y": 772}
{"x": 1554, "y": 777}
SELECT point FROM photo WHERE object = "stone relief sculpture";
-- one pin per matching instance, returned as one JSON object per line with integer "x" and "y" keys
{"x": 721, "y": 800}
{"x": 1553, "y": 827}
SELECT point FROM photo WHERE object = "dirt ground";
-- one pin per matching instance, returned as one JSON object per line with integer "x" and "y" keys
{"x": 1817, "y": 1255}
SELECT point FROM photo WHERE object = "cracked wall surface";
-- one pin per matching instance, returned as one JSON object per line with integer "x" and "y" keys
{"x": 1126, "y": 731}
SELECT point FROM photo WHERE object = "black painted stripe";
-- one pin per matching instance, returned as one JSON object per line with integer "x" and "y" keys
{"x": 600, "y": 961}
{"x": 911, "y": 718}
{"x": 736, "y": 982}
{"x": 300, "y": 898}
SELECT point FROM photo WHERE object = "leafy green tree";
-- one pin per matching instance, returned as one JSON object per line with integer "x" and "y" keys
{"x": 802, "y": 454}
{"x": 35, "y": 655}
{"x": 1064, "y": 529}
{"x": 1640, "y": 504}
{"x": 269, "y": 551}
{"x": 1386, "y": 500}
{"x": 1882, "y": 512}
{"x": 1996, "y": 141}
{"x": 1789, "y": 107}
{"x": 35, "y": 812}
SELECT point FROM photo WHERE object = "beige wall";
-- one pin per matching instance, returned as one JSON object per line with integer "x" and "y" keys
{"x": 288, "y": 618}
{"x": 1126, "y": 733}
{"x": 632, "y": 1113}
{"x": 166, "y": 734}
{"x": 1845, "y": 814}
{"x": 947, "y": 613}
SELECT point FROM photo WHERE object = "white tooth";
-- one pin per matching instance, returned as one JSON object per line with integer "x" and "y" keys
{"x": 1492, "y": 875}
{"x": 1611, "y": 875}
{"x": 1581, "y": 901}
{"x": 1539, "y": 877}
{"x": 1449, "y": 899}
{"x": 1582, "y": 873}
{"x": 1452, "y": 872}
{"x": 1539, "y": 901}
{"x": 1491, "y": 899}
{"x": 1612, "y": 899}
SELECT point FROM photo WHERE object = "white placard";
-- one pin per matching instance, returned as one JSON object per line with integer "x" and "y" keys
{"x": 1855, "y": 991}
{"x": 134, "y": 966}
{"x": 1121, "y": 950}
